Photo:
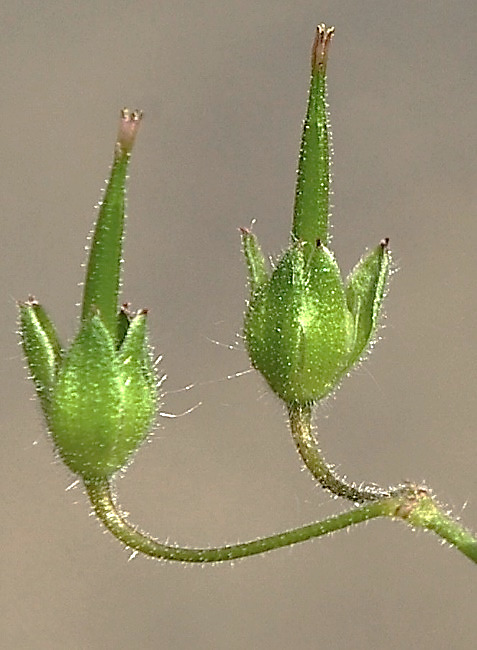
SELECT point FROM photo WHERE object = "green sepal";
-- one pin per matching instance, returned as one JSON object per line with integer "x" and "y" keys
{"x": 49, "y": 329}
{"x": 42, "y": 348}
{"x": 298, "y": 329}
{"x": 256, "y": 264}
{"x": 104, "y": 400}
{"x": 86, "y": 414}
{"x": 139, "y": 387}
{"x": 365, "y": 288}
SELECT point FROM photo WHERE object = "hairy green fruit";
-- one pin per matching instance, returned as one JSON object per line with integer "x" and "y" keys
{"x": 304, "y": 328}
{"x": 99, "y": 397}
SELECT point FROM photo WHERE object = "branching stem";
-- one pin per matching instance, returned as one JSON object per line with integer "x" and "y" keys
{"x": 414, "y": 506}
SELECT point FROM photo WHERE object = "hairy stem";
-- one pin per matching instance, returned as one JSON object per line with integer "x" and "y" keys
{"x": 302, "y": 432}
{"x": 414, "y": 505}
{"x": 417, "y": 506}
{"x": 426, "y": 513}
{"x": 110, "y": 515}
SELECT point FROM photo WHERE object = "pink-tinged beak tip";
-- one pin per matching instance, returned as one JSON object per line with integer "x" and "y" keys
{"x": 128, "y": 128}
{"x": 321, "y": 44}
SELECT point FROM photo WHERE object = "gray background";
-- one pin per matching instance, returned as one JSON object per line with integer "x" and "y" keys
{"x": 223, "y": 85}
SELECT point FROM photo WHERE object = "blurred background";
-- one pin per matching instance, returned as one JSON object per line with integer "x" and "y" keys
{"x": 223, "y": 86}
